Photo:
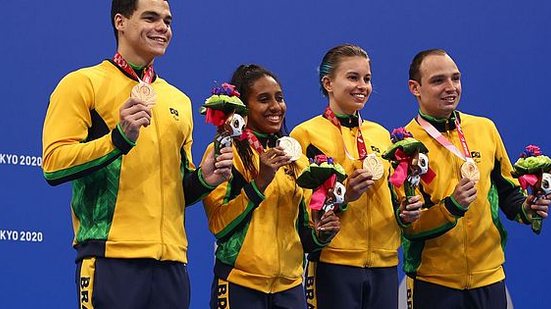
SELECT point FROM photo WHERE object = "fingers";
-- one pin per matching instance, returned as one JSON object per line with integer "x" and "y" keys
{"x": 411, "y": 209}
{"x": 329, "y": 222}
{"x": 133, "y": 115}
{"x": 465, "y": 192}
{"x": 224, "y": 163}
{"x": 540, "y": 205}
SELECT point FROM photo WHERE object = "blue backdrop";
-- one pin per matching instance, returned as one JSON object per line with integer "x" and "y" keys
{"x": 501, "y": 46}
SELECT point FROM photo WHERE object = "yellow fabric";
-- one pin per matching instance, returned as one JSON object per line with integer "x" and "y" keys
{"x": 369, "y": 235}
{"x": 149, "y": 210}
{"x": 468, "y": 255}
{"x": 271, "y": 254}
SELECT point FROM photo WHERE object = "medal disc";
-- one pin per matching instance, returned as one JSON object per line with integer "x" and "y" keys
{"x": 470, "y": 170}
{"x": 291, "y": 147}
{"x": 374, "y": 166}
{"x": 145, "y": 93}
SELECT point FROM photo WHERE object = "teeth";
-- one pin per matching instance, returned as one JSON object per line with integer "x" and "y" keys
{"x": 274, "y": 118}
{"x": 359, "y": 95}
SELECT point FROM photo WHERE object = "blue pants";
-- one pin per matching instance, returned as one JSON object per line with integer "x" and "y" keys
{"x": 331, "y": 286}
{"x": 430, "y": 295}
{"x": 226, "y": 295}
{"x": 131, "y": 283}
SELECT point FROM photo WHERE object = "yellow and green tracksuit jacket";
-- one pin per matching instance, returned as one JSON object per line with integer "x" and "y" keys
{"x": 369, "y": 235}
{"x": 449, "y": 245}
{"x": 261, "y": 237}
{"x": 128, "y": 198}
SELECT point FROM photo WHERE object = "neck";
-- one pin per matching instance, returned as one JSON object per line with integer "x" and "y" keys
{"x": 433, "y": 117}
{"x": 136, "y": 61}
{"x": 339, "y": 111}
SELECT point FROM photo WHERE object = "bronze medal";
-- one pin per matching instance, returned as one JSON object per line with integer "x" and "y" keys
{"x": 145, "y": 93}
{"x": 290, "y": 146}
{"x": 470, "y": 170}
{"x": 374, "y": 166}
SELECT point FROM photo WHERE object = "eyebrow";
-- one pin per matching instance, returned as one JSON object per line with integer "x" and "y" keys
{"x": 155, "y": 14}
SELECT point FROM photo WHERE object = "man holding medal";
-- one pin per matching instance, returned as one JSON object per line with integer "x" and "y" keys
{"x": 122, "y": 135}
{"x": 454, "y": 251}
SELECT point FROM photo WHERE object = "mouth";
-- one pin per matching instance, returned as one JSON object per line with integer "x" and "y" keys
{"x": 274, "y": 118}
{"x": 359, "y": 97}
{"x": 159, "y": 39}
{"x": 449, "y": 98}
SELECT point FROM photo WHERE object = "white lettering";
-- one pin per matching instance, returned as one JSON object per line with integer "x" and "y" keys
{"x": 23, "y": 236}
{"x": 17, "y": 159}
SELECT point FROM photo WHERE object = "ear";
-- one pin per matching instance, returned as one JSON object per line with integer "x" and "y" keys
{"x": 413, "y": 86}
{"x": 327, "y": 84}
{"x": 120, "y": 22}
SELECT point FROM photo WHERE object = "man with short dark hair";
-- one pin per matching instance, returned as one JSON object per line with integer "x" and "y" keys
{"x": 122, "y": 135}
{"x": 454, "y": 250}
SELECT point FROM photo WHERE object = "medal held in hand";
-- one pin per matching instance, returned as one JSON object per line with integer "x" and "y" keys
{"x": 470, "y": 171}
{"x": 290, "y": 146}
{"x": 533, "y": 170}
{"x": 226, "y": 111}
{"x": 144, "y": 92}
{"x": 410, "y": 162}
{"x": 374, "y": 166}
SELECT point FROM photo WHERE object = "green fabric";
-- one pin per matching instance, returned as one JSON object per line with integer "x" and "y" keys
{"x": 77, "y": 169}
{"x": 94, "y": 198}
{"x": 230, "y": 228}
{"x": 436, "y": 231}
{"x": 493, "y": 198}
{"x": 228, "y": 250}
{"x": 412, "y": 260}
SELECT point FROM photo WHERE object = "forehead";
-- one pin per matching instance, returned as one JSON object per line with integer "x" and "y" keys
{"x": 265, "y": 83}
{"x": 158, "y": 6}
{"x": 437, "y": 65}
{"x": 355, "y": 64}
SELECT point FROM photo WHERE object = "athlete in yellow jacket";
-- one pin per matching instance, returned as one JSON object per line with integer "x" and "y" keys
{"x": 454, "y": 251}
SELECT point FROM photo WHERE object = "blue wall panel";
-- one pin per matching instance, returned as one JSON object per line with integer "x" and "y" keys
{"x": 502, "y": 48}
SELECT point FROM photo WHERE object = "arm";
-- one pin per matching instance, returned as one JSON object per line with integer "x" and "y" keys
{"x": 76, "y": 140}
{"x": 231, "y": 204}
{"x": 439, "y": 217}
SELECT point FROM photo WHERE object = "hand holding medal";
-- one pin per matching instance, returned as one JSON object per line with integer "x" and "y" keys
{"x": 226, "y": 111}
{"x": 533, "y": 172}
{"x": 145, "y": 93}
{"x": 290, "y": 146}
{"x": 410, "y": 162}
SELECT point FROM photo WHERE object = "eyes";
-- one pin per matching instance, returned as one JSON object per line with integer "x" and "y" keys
{"x": 354, "y": 77}
{"x": 153, "y": 18}
{"x": 267, "y": 98}
{"x": 437, "y": 80}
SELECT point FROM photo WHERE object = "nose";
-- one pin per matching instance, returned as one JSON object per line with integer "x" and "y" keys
{"x": 450, "y": 85}
{"x": 162, "y": 26}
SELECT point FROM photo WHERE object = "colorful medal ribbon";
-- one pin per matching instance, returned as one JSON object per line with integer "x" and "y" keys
{"x": 148, "y": 72}
{"x": 434, "y": 133}
{"x": 253, "y": 140}
{"x": 362, "y": 151}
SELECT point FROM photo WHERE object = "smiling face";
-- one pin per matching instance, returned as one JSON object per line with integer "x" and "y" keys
{"x": 349, "y": 87}
{"x": 146, "y": 33}
{"x": 266, "y": 106}
{"x": 439, "y": 89}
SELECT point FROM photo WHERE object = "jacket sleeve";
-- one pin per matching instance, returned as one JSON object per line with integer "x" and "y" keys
{"x": 509, "y": 193}
{"x": 310, "y": 240}
{"x": 69, "y": 150}
{"x": 439, "y": 217}
{"x": 194, "y": 186}
{"x": 231, "y": 204}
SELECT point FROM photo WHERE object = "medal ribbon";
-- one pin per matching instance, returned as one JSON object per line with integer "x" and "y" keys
{"x": 253, "y": 140}
{"x": 362, "y": 151}
{"x": 148, "y": 72}
{"x": 434, "y": 133}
